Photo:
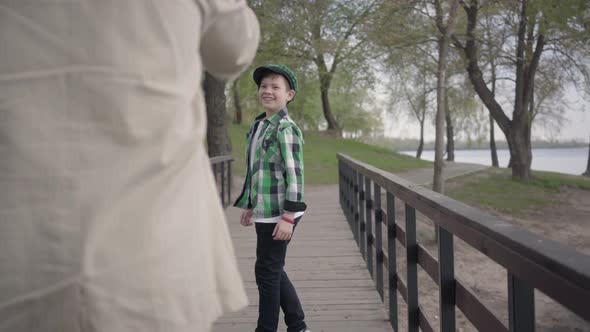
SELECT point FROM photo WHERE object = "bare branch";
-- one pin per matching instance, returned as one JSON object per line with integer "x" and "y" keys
{"x": 347, "y": 34}
{"x": 505, "y": 78}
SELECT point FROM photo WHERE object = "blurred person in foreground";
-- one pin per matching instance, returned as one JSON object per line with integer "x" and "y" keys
{"x": 109, "y": 217}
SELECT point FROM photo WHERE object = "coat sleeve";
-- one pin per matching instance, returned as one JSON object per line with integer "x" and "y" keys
{"x": 291, "y": 146}
{"x": 230, "y": 37}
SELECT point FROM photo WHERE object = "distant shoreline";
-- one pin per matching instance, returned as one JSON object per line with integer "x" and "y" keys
{"x": 506, "y": 148}
{"x": 412, "y": 144}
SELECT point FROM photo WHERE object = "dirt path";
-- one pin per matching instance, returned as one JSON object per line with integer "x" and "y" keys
{"x": 451, "y": 170}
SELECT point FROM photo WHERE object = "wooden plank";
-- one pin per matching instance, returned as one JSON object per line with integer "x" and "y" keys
{"x": 328, "y": 326}
{"x": 324, "y": 264}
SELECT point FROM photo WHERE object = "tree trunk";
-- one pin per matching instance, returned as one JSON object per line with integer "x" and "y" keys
{"x": 509, "y": 165}
{"x": 450, "y": 130}
{"x": 421, "y": 145}
{"x": 327, "y": 109}
{"x": 587, "y": 173}
{"x": 325, "y": 77}
{"x": 517, "y": 130}
{"x": 520, "y": 153}
{"x": 218, "y": 142}
{"x": 441, "y": 88}
{"x": 237, "y": 103}
{"x": 493, "y": 148}
{"x": 437, "y": 182}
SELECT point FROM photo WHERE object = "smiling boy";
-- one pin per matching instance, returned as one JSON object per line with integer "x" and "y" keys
{"x": 272, "y": 196}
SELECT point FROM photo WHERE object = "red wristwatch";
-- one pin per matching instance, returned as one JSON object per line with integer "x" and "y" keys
{"x": 290, "y": 221}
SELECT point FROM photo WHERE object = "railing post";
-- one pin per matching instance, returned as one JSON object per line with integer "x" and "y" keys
{"x": 350, "y": 199}
{"x": 223, "y": 183}
{"x": 369, "y": 225}
{"x": 412, "y": 270}
{"x": 446, "y": 277}
{"x": 361, "y": 214}
{"x": 521, "y": 305}
{"x": 215, "y": 173}
{"x": 222, "y": 176}
{"x": 355, "y": 206}
{"x": 344, "y": 190}
{"x": 340, "y": 183}
{"x": 378, "y": 240}
{"x": 229, "y": 181}
{"x": 391, "y": 256}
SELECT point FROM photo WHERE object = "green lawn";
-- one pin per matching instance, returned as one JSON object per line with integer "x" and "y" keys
{"x": 321, "y": 165}
{"x": 497, "y": 190}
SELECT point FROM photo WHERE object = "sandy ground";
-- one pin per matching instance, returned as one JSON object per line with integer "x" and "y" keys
{"x": 567, "y": 222}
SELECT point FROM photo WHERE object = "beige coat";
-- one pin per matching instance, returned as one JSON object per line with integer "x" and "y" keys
{"x": 109, "y": 218}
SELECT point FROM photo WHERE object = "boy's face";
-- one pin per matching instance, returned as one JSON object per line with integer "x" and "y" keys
{"x": 274, "y": 92}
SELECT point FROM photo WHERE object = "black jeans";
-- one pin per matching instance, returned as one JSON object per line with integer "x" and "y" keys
{"x": 275, "y": 290}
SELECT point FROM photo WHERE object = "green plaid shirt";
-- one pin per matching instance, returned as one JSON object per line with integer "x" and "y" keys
{"x": 274, "y": 183}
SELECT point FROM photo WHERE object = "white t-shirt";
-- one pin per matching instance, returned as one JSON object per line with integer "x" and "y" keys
{"x": 253, "y": 147}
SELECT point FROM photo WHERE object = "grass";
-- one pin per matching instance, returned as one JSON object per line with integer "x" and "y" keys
{"x": 496, "y": 189}
{"x": 321, "y": 165}
{"x": 493, "y": 188}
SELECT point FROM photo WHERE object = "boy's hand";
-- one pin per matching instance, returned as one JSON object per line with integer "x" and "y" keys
{"x": 283, "y": 231}
{"x": 246, "y": 218}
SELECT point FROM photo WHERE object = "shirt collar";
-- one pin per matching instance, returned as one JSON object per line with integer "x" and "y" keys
{"x": 275, "y": 118}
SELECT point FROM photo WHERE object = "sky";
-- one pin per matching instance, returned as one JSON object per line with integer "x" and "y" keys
{"x": 576, "y": 126}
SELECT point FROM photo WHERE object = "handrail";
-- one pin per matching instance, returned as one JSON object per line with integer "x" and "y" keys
{"x": 219, "y": 159}
{"x": 531, "y": 261}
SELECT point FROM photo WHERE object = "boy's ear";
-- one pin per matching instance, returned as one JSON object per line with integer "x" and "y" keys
{"x": 290, "y": 95}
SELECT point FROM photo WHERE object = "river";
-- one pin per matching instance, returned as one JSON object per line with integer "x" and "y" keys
{"x": 562, "y": 160}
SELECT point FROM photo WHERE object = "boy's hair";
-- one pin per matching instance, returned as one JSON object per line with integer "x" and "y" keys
{"x": 267, "y": 70}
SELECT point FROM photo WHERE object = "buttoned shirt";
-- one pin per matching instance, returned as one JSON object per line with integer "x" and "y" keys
{"x": 274, "y": 182}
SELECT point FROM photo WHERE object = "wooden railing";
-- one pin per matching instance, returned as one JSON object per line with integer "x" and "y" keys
{"x": 532, "y": 262}
{"x": 221, "y": 166}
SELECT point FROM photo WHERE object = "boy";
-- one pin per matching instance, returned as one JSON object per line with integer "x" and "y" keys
{"x": 273, "y": 195}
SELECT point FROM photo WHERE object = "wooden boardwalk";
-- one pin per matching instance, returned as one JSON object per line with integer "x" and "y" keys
{"x": 324, "y": 264}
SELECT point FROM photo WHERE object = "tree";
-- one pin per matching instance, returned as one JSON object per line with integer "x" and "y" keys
{"x": 493, "y": 39}
{"x": 406, "y": 34}
{"x": 290, "y": 36}
{"x": 418, "y": 106}
{"x": 450, "y": 129}
{"x": 538, "y": 24}
{"x": 237, "y": 103}
{"x": 327, "y": 34}
{"x": 549, "y": 100}
{"x": 416, "y": 88}
{"x": 218, "y": 142}
{"x": 413, "y": 41}
{"x": 354, "y": 106}
{"x": 469, "y": 115}
{"x": 444, "y": 38}
{"x": 413, "y": 82}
